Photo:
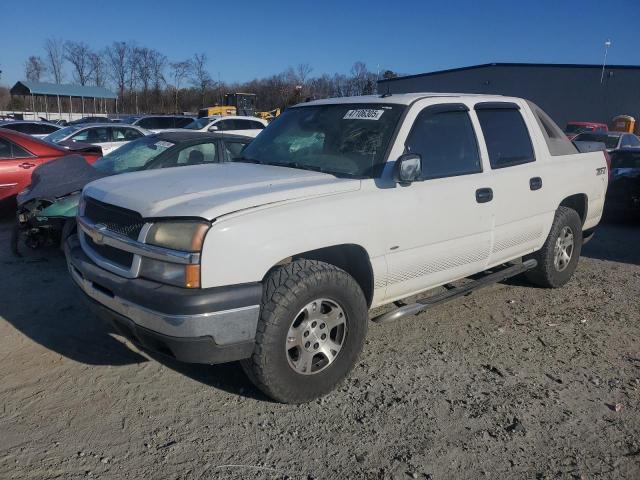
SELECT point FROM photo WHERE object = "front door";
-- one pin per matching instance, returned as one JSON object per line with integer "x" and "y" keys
{"x": 16, "y": 165}
{"x": 440, "y": 228}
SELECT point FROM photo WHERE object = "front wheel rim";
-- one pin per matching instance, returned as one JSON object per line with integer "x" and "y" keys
{"x": 563, "y": 250}
{"x": 316, "y": 336}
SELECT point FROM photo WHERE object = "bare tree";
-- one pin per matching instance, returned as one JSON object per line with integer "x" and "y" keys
{"x": 77, "y": 54}
{"x": 158, "y": 65}
{"x": 34, "y": 68}
{"x": 200, "y": 77}
{"x": 117, "y": 64}
{"x": 98, "y": 68}
{"x": 179, "y": 72}
{"x": 303, "y": 71}
{"x": 54, "y": 49}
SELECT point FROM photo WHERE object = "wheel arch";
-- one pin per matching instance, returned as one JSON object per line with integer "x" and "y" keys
{"x": 351, "y": 258}
{"x": 578, "y": 202}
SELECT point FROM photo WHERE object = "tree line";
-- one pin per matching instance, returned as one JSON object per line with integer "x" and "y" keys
{"x": 147, "y": 81}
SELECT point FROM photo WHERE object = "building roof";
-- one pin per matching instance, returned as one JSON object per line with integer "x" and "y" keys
{"x": 536, "y": 65}
{"x": 24, "y": 87}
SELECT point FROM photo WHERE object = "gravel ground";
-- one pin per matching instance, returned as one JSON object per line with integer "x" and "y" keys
{"x": 511, "y": 382}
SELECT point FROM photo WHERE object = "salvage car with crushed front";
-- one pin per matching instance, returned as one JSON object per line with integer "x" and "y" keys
{"x": 47, "y": 208}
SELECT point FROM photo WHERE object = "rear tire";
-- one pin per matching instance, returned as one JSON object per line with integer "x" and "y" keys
{"x": 313, "y": 321}
{"x": 558, "y": 257}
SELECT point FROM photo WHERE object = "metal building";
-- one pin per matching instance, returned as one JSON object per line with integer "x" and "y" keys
{"x": 565, "y": 91}
{"x": 91, "y": 99}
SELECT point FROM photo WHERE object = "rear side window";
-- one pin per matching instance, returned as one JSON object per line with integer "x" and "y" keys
{"x": 226, "y": 125}
{"x": 182, "y": 122}
{"x": 256, "y": 125}
{"x": 92, "y": 135}
{"x": 9, "y": 150}
{"x": 192, "y": 155}
{"x": 556, "y": 140}
{"x": 233, "y": 149}
{"x": 506, "y": 136}
{"x": 446, "y": 142}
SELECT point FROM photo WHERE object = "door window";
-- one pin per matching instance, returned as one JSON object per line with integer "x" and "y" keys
{"x": 92, "y": 135}
{"x": 446, "y": 142}
{"x": 124, "y": 134}
{"x": 226, "y": 125}
{"x": 506, "y": 136}
{"x": 233, "y": 149}
{"x": 192, "y": 155}
{"x": 9, "y": 150}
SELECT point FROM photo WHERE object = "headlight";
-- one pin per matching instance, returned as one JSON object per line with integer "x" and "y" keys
{"x": 187, "y": 276}
{"x": 182, "y": 235}
{"x": 186, "y": 236}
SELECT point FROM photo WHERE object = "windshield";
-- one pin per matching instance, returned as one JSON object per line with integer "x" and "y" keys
{"x": 341, "y": 139}
{"x": 132, "y": 156}
{"x": 61, "y": 134}
{"x": 198, "y": 124}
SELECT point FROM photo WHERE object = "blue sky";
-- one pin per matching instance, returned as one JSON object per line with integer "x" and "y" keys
{"x": 247, "y": 39}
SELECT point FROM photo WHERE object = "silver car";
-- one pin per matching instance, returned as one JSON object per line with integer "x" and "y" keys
{"x": 108, "y": 136}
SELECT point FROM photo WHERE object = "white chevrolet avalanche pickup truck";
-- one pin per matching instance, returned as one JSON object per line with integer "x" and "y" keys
{"x": 339, "y": 206}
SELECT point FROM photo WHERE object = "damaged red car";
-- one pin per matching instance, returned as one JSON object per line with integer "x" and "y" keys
{"x": 20, "y": 154}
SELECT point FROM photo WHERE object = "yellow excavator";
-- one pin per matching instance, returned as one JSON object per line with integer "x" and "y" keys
{"x": 238, "y": 104}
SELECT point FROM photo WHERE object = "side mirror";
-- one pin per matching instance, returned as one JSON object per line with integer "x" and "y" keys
{"x": 408, "y": 168}
{"x": 213, "y": 128}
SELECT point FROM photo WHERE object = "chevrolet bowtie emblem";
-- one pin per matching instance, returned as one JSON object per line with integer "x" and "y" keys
{"x": 96, "y": 235}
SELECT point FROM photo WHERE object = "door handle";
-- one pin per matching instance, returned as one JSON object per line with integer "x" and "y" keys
{"x": 27, "y": 165}
{"x": 484, "y": 195}
{"x": 535, "y": 183}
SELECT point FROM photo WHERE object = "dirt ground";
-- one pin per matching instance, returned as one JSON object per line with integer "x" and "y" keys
{"x": 511, "y": 382}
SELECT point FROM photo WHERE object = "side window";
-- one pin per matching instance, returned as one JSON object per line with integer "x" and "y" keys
{"x": 9, "y": 150}
{"x": 506, "y": 136}
{"x": 225, "y": 125}
{"x": 625, "y": 142}
{"x": 124, "y": 134}
{"x": 233, "y": 149}
{"x": 5, "y": 149}
{"x": 193, "y": 155}
{"x": 92, "y": 135}
{"x": 181, "y": 122}
{"x": 257, "y": 125}
{"x": 634, "y": 141}
{"x": 446, "y": 142}
{"x": 44, "y": 129}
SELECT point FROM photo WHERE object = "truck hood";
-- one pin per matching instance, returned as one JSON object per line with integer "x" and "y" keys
{"x": 209, "y": 191}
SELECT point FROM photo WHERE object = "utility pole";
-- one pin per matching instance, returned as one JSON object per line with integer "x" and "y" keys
{"x": 607, "y": 44}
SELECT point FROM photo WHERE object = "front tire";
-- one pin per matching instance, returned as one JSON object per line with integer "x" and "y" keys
{"x": 313, "y": 321}
{"x": 558, "y": 257}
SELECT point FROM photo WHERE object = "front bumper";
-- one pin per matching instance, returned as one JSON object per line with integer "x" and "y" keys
{"x": 213, "y": 325}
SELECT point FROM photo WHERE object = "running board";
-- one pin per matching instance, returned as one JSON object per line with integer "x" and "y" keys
{"x": 451, "y": 293}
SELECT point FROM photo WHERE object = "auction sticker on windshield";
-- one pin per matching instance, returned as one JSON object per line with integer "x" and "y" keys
{"x": 363, "y": 114}
{"x": 163, "y": 144}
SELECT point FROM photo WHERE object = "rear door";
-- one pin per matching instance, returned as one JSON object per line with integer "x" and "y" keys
{"x": 516, "y": 180}
{"x": 16, "y": 165}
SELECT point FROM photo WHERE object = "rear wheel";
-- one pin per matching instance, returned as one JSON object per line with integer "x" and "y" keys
{"x": 558, "y": 257}
{"x": 312, "y": 326}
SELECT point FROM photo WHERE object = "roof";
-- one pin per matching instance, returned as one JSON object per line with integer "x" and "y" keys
{"x": 396, "y": 98}
{"x": 536, "y": 65}
{"x": 24, "y": 87}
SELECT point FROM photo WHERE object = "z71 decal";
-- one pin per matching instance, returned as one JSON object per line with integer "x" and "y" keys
{"x": 601, "y": 171}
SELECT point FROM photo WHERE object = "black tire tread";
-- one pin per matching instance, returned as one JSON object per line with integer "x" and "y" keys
{"x": 281, "y": 287}
{"x": 545, "y": 274}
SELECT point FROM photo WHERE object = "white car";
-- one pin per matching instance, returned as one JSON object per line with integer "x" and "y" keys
{"x": 108, "y": 136}
{"x": 238, "y": 125}
{"x": 342, "y": 206}
{"x": 33, "y": 128}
